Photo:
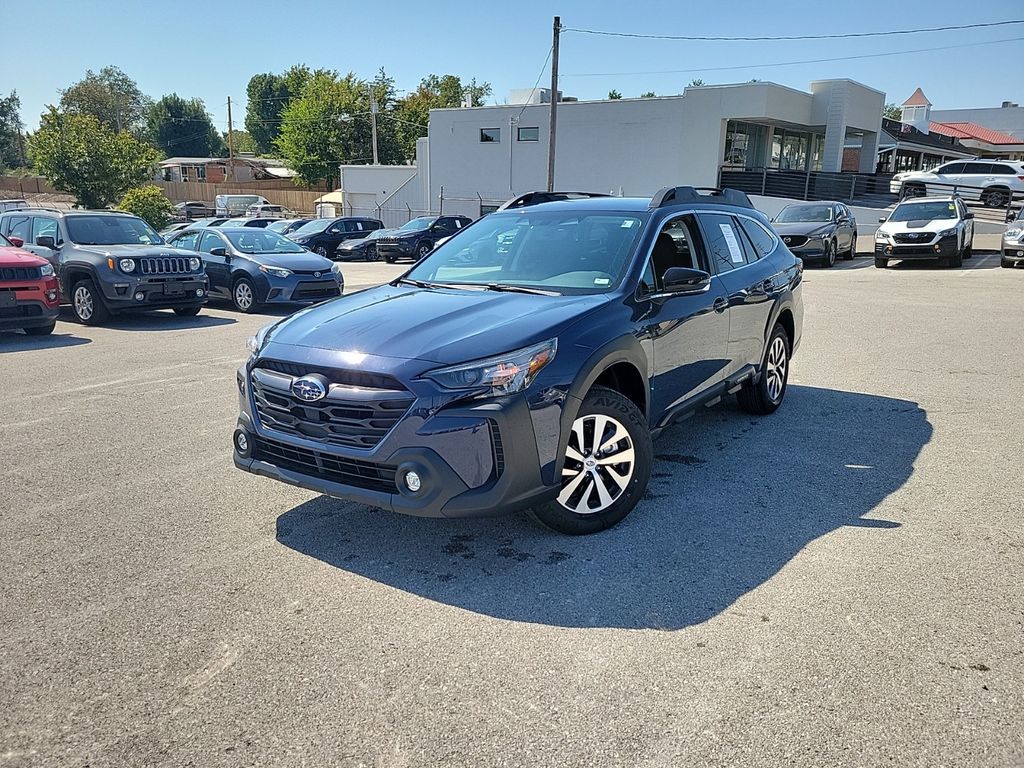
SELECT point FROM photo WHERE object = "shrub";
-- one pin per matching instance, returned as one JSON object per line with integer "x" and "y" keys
{"x": 150, "y": 204}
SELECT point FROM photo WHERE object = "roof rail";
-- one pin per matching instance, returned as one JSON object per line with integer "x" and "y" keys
{"x": 677, "y": 195}
{"x": 536, "y": 198}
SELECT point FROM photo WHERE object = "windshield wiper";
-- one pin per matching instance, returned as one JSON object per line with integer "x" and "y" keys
{"x": 419, "y": 283}
{"x": 517, "y": 289}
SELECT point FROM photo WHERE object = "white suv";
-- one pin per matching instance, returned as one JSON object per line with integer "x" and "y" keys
{"x": 990, "y": 181}
{"x": 937, "y": 228}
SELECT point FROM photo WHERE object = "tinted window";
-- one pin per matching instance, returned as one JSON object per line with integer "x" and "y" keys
{"x": 43, "y": 226}
{"x": 19, "y": 226}
{"x": 1002, "y": 170}
{"x": 187, "y": 240}
{"x": 209, "y": 242}
{"x": 111, "y": 230}
{"x": 924, "y": 211}
{"x": 723, "y": 241}
{"x": 818, "y": 212}
{"x": 353, "y": 226}
{"x": 975, "y": 169}
{"x": 490, "y": 135}
{"x": 760, "y": 238}
{"x": 951, "y": 168}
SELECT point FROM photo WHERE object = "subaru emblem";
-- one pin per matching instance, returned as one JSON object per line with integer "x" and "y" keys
{"x": 309, "y": 389}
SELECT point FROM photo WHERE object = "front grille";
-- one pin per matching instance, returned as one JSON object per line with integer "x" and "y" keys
{"x": 322, "y": 289}
{"x": 359, "y": 418}
{"x": 913, "y": 237}
{"x": 22, "y": 310}
{"x": 794, "y": 240}
{"x": 20, "y": 273}
{"x": 335, "y": 375}
{"x": 164, "y": 265}
{"x": 352, "y": 472}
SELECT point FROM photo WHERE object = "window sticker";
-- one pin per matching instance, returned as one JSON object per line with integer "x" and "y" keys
{"x": 602, "y": 281}
{"x": 734, "y": 247}
{"x": 952, "y": 208}
{"x": 628, "y": 224}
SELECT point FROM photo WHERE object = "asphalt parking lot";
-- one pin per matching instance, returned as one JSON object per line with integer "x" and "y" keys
{"x": 837, "y": 584}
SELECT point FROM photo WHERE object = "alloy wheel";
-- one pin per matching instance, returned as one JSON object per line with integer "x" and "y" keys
{"x": 775, "y": 375}
{"x": 599, "y": 463}
{"x": 995, "y": 199}
{"x": 83, "y": 303}
{"x": 243, "y": 296}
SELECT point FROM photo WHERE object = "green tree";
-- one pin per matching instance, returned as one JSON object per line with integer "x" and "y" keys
{"x": 268, "y": 95}
{"x": 647, "y": 95}
{"x": 614, "y": 95}
{"x": 182, "y": 127}
{"x": 329, "y": 124}
{"x": 434, "y": 92}
{"x": 696, "y": 83}
{"x": 12, "y": 143}
{"x": 80, "y": 155}
{"x": 893, "y": 111}
{"x": 110, "y": 96}
{"x": 243, "y": 142}
{"x": 150, "y": 204}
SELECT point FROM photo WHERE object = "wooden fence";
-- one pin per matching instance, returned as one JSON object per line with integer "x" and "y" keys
{"x": 26, "y": 185}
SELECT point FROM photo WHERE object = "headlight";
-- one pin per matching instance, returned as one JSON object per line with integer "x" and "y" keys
{"x": 127, "y": 265}
{"x": 1013, "y": 233}
{"x": 503, "y": 374}
{"x": 948, "y": 232}
{"x": 336, "y": 269}
{"x": 195, "y": 263}
{"x": 255, "y": 343}
{"x": 275, "y": 271}
{"x": 881, "y": 235}
{"x": 46, "y": 270}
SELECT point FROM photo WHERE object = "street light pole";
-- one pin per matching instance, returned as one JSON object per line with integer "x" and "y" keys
{"x": 552, "y": 123}
{"x": 373, "y": 123}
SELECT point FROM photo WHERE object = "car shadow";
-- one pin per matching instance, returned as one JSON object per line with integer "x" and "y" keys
{"x": 980, "y": 260}
{"x": 160, "y": 320}
{"x": 13, "y": 341}
{"x": 732, "y": 499}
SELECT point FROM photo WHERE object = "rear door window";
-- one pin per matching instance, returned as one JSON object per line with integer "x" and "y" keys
{"x": 977, "y": 169}
{"x": 724, "y": 243}
{"x": 761, "y": 240}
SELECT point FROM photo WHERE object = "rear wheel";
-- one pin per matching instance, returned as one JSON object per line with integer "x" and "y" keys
{"x": 881, "y": 263}
{"x": 87, "y": 304}
{"x": 914, "y": 190}
{"x": 243, "y": 295}
{"x": 41, "y": 330}
{"x": 607, "y": 466}
{"x": 764, "y": 395}
{"x": 995, "y": 198}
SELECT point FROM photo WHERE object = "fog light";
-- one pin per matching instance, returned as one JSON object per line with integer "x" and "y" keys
{"x": 140, "y": 296}
{"x": 242, "y": 442}
{"x": 936, "y": 248}
{"x": 241, "y": 381}
{"x": 51, "y": 295}
{"x": 1020, "y": 253}
{"x": 412, "y": 481}
{"x": 199, "y": 291}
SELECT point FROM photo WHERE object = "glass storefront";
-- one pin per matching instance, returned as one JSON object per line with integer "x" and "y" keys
{"x": 747, "y": 146}
{"x": 744, "y": 145}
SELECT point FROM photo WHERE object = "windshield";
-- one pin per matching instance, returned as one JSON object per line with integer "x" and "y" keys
{"x": 111, "y": 230}
{"x": 923, "y": 211}
{"x": 280, "y": 226}
{"x": 817, "y": 213}
{"x": 313, "y": 227}
{"x": 573, "y": 252}
{"x": 256, "y": 240}
{"x": 416, "y": 224}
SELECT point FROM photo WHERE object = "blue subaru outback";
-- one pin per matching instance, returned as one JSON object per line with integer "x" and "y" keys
{"x": 528, "y": 361}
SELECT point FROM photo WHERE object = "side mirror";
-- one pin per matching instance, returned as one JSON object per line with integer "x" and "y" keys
{"x": 17, "y": 242}
{"x": 881, "y": 220}
{"x": 685, "y": 280}
{"x": 220, "y": 250}
{"x": 46, "y": 241}
{"x": 969, "y": 215}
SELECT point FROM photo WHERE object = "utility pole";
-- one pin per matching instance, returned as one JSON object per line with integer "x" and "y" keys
{"x": 553, "y": 121}
{"x": 373, "y": 122}
{"x": 231, "y": 145}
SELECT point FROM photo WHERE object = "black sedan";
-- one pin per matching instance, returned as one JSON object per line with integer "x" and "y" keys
{"x": 818, "y": 231}
{"x": 363, "y": 249}
{"x": 323, "y": 236}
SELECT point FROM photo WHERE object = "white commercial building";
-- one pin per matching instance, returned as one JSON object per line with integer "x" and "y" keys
{"x": 481, "y": 156}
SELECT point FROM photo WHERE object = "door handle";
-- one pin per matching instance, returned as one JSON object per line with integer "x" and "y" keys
{"x": 721, "y": 304}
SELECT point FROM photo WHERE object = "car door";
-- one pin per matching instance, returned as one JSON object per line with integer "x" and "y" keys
{"x": 218, "y": 268}
{"x": 19, "y": 225}
{"x": 846, "y": 228}
{"x": 688, "y": 333}
{"x": 968, "y": 224}
{"x": 970, "y": 182}
{"x": 745, "y": 276}
{"x": 944, "y": 178}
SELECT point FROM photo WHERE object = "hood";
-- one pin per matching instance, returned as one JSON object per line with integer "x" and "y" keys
{"x": 135, "y": 251}
{"x": 15, "y": 257}
{"x": 305, "y": 261}
{"x": 440, "y": 325}
{"x": 348, "y": 245}
{"x": 918, "y": 224}
{"x": 803, "y": 227}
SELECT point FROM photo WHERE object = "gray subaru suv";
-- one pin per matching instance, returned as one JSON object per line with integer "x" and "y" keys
{"x": 110, "y": 262}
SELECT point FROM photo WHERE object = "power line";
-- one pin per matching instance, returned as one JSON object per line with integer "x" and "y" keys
{"x": 790, "y": 63}
{"x": 887, "y": 33}
{"x": 533, "y": 90}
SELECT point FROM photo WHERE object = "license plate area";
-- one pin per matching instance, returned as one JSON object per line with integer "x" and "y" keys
{"x": 8, "y": 299}
{"x": 174, "y": 289}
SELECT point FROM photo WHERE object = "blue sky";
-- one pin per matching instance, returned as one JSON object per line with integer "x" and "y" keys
{"x": 169, "y": 47}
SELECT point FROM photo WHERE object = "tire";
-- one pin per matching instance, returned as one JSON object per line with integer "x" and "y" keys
{"x": 969, "y": 251}
{"x": 1006, "y": 264}
{"x": 243, "y": 295}
{"x": 389, "y": 259}
{"x": 605, "y": 492}
{"x": 764, "y": 395}
{"x": 994, "y": 198}
{"x": 881, "y": 263}
{"x": 423, "y": 249}
{"x": 321, "y": 251}
{"x": 188, "y": 311}
{"x": 852, "y": 250}
{"x": 41, "y": 330}
{"x": 371, "y": 253}
{"x": 87, "y": 304}
{"x": 914, "y": 190}
{"x": 829, "y": 259}
{"x": 956, "y": 260}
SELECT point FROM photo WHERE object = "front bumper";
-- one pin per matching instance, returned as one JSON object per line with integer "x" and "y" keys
{"x": 400, "y": 249}
{"x": 299, "y": 289}
{"x": 164, "y": 292}
{"x": 1013, "y": 250}
{"x": 473, "y": 458}
{"x": 812, "y": 249}
{"x": 30, "y": 313}
{"x": 937, "y": 249}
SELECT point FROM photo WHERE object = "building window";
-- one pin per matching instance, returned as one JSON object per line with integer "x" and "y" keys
{"x": 184, "y": 172}
{"x": 200, "y": 173}
{"x": 492, "y": 135}
{"x": 529, "y": 134}
{"x": 744, "y": 145}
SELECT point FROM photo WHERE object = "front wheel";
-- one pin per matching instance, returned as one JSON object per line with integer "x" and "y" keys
{"x": 881, "y": 263}
{"x": 956, "y": 260}
{"x": 607, "y": 465}
{"x": 764, "y": 395}
{"x": 243, "y": 295}
{"x": 187, "y": 311}
{"x": 1006, "y": 263}
{"x": 321, "y": 251}
{"x": 87, "y": 304}
{"x": 422, "y": 250}
{"x": 830, "y": 254}
{"x": 41, "y": 330}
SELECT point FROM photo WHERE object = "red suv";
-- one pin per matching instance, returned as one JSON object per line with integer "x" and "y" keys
{"x": 29, "y": 292}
